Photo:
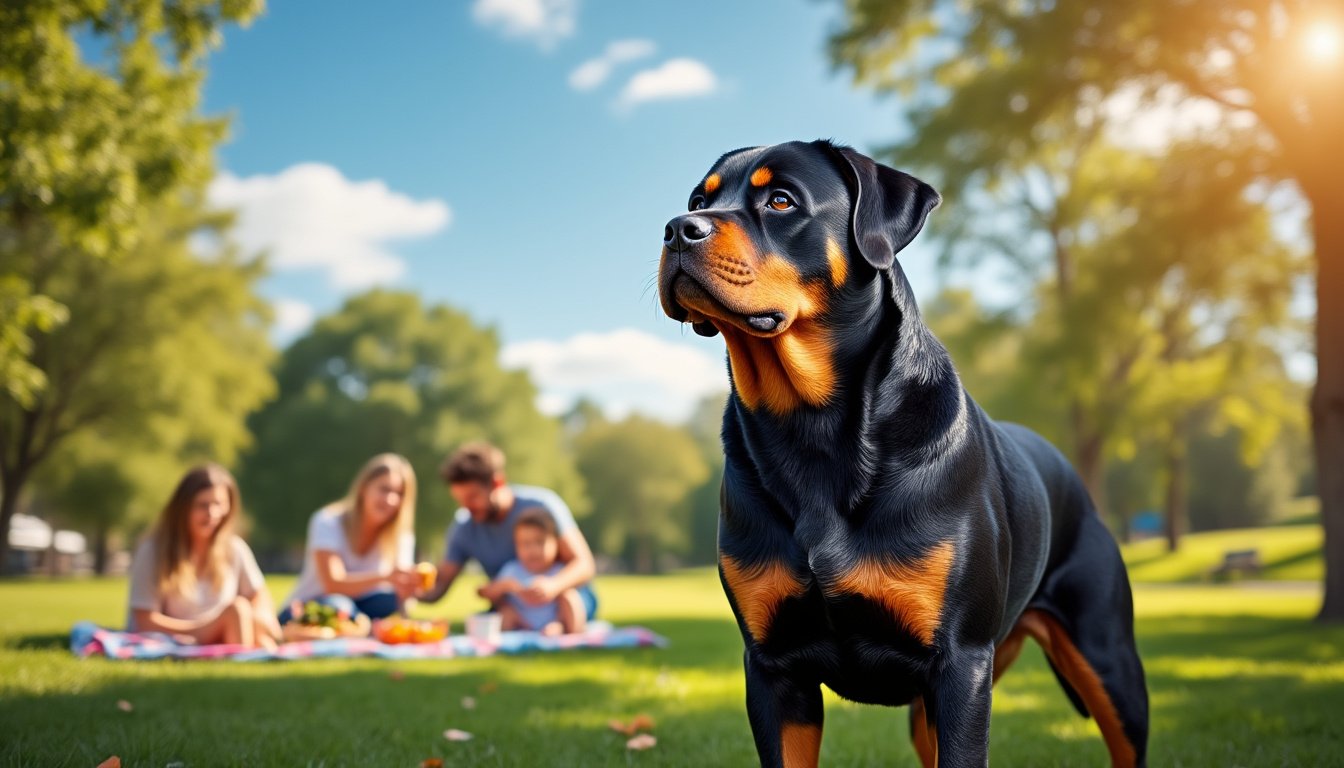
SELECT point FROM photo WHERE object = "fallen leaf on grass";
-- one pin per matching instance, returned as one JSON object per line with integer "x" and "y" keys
{"x": 124, "y": 705}
{"x": 432, "y": 762}
{"x": 642, "y": 741}
{"x": 640, "y": 723}
{"x": 489, "y": 687}
{"x": 111, "y": 762}
{"x": 452, "y": 734}
{"x": 397, "y": 674}
{"x": 468, "y": 702}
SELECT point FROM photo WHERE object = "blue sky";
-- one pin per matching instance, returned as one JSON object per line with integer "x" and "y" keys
{"x": 471, "y": 151}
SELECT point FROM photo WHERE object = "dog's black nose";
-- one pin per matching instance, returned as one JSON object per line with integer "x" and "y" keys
{"x": 686, "y": 229}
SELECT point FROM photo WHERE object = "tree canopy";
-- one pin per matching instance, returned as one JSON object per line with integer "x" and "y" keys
{"x": 989, "y": 82}
{"x": 641, "y": 476}
{"x": 101, "y": 140}
{"x": 386, "y": 373}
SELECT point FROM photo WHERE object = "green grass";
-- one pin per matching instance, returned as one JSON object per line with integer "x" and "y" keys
{"x": 1289, "y": 553}
{"x": 1239, "y": 676}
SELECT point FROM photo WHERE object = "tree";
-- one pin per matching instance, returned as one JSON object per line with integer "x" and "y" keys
{"x": 385, "y": 373}
{"x": 640, "y": 475}
{"x": 1226, "y": 492}
{"x": 1017, "y": 68}
{"x": 165, "y": 354}
{"x": 99, "y": 130}
{"x": 704, "y": 426}
{"x": 100, "y": 487}
{"x": 1203, "y": 288}
{"x": 98, "y": 119}
{"x": 24, "y": 314}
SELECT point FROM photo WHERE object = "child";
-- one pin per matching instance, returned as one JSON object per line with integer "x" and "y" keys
{"x": 536, "y": 543}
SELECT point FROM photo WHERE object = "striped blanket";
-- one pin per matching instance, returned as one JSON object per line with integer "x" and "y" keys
{"x": 88, "y": 639}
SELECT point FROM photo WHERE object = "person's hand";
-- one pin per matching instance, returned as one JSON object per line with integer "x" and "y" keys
{"x": 499, "y": 588}
{"x": 405, "y": 582}
{"x": 270, "y": 624}
{"x": 542, "y": 590}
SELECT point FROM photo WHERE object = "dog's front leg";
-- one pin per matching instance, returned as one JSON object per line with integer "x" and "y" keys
{"x": 785, "y": 714}
{"x": 960, "y": 707}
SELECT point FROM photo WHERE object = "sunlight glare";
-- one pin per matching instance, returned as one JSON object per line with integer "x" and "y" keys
{"x": 1324, "y": 42}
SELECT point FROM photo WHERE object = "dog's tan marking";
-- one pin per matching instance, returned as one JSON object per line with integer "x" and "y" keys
{"x": 796, "y": 367}
{"x": 800, "y": 745}
{"x": 712, "y": 183}
{"x": 1071, "y": 663}
{"x": 924, "y": 736}
{"x": 758, "y": 591}
{"x": 1008, "y": 651}
{"x": 784, "y": 372}
{"x": 839, "y": 264}
{"x": 761, "y": 176}
{"x": 792, "y": 368}
{"x": 912, "y": 592}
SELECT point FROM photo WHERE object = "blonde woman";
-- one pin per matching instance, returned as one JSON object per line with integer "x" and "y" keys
{"x": 360, "y": 553}
{"x": 192, "y": 577}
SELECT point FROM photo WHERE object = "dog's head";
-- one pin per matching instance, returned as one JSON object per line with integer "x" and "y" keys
{"x": 777, "y": 240}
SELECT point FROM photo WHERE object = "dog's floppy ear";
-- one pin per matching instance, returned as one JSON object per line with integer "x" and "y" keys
{"x": 889, "y": 207}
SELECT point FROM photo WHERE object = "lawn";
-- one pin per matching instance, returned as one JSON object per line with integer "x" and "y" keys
{"x": 1238, "y": 676}
{"x": 1288, "y": 552}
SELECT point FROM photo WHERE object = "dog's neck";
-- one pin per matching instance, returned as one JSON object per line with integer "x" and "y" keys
{"x": 891, "y": 390}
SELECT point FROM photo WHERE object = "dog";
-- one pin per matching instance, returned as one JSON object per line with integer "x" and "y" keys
{"x": 879, "y": 534}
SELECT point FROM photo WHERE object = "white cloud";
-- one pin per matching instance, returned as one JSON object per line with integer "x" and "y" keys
{"x": 292, "y": 317}
{"x": 594, "y": 72}
{"x": 622, "y": 370}
{"x": 675, "y": 79}
{"x": 542, "y": 21}
{"x": 309, "y": 216}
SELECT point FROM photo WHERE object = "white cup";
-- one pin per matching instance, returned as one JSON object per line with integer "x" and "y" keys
{"x": 485, "y": 627}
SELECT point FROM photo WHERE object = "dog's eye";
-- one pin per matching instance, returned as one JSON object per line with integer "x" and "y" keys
{"x": 697, "y": 203}
{"x": 780, "y": 201}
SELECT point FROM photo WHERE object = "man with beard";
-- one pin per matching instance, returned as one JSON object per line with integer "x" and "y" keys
{"x": 482, "y": 529}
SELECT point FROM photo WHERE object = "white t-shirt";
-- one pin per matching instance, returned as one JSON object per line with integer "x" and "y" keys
{"x": 325, "y": 532}
{"x": 242, "y": 578}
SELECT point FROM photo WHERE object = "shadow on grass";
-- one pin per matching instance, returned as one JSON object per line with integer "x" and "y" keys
{"x": 39, "y": 642}
{"x": 1227, "y": 690}
{"x": 1306, "y": 555}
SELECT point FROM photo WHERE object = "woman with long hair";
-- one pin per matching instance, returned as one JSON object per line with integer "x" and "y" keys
{"x": 360, "y": 553}
{"x": 193, "y": 577}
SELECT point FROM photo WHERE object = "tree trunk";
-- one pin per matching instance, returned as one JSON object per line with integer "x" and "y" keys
{"x": 1177, "y": 498}
{"x": 1090, "y": 461}
{"x": 100, "y": 558}
{"x": 1327, "y": 401}
{"x": 9, "y": 504}
{"x": 643, "y": 555}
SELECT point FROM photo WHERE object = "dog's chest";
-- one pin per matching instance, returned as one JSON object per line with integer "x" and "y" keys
{"x": 832, "y": 593}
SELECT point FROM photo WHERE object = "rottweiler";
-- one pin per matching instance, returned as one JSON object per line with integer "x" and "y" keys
{"x": 879, "y": 534}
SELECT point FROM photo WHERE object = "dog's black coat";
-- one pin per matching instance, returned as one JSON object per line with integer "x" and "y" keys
{"x": 879, "y": 533}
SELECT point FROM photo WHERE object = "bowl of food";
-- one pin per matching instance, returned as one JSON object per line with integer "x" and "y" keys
{"x": 396, "y": 630}
{"x": 315, "y": 621}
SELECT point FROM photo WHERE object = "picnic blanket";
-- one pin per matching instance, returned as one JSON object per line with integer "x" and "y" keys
{"x": 89, "y": 639}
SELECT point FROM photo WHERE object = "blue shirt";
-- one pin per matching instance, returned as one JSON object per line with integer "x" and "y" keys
{"x": 534, "y": 616}
{"x": 491, "y": 544}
